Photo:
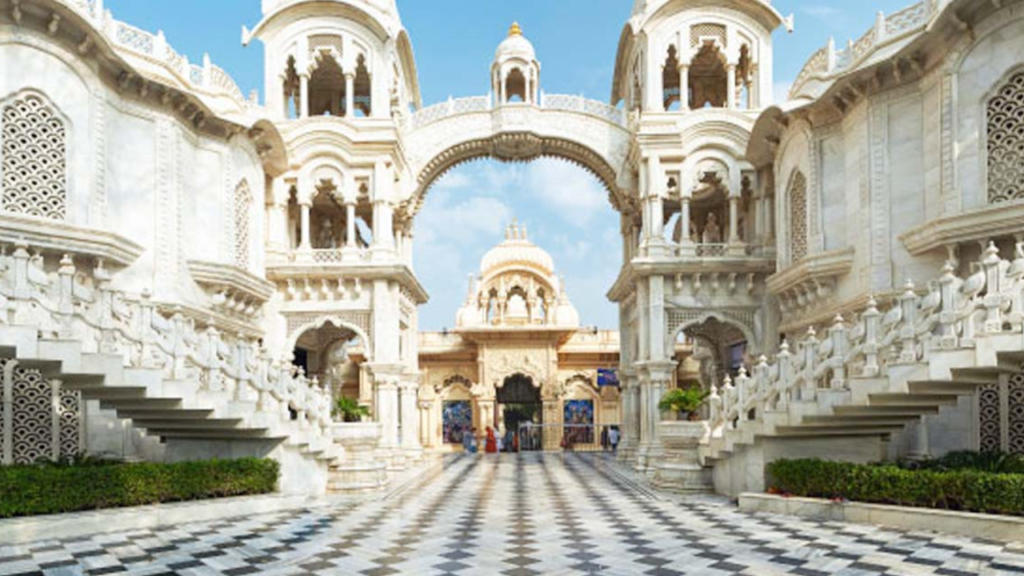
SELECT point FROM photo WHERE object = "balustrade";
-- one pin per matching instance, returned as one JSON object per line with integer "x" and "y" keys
{"x": 79, "y": 304}
{"x": 951, "y": 314}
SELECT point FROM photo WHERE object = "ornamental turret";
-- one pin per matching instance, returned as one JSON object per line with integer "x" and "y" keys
{"x": 515, "y": 74}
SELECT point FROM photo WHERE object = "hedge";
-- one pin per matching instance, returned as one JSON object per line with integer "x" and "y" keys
{"x": 967, "y": 490}
{"x": 52, "y": 489}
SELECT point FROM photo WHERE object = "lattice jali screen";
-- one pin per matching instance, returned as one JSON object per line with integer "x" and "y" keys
{"x": 34, "y": 159}
{"x": 321, "y": 41}
{"x": 797, "y": 198}
{"x": 1006, "y": 142}
{"x": 1001, "y": 415}
{"x": 990, "y": 430}
{"x": 243, "y": 224}
{"x": 701, "y": 32}
{"x": 45, "y": 421}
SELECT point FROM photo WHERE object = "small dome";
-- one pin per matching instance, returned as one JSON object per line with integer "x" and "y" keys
{"x": 516, "y": 46}
{"x": 516, "y": 249}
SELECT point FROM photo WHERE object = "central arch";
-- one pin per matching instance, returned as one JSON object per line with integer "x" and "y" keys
{"x": 587, "y": 133}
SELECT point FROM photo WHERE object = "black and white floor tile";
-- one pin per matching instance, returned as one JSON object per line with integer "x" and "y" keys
{"x": 517, "y": 516}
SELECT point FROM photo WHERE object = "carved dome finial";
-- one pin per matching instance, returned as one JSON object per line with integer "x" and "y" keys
{"x": 515, "y": 30}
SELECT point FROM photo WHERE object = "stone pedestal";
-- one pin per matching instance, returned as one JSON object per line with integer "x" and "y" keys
{"x": 678, "y": 469}
{"x": 361, "y": 469}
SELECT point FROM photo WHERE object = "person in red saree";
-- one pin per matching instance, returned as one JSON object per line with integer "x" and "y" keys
{"x": 492, "y": 442}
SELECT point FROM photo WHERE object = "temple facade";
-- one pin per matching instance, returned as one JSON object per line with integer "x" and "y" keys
{"x": 188, "y": 271}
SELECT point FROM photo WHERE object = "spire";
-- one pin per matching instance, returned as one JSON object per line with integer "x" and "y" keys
{"x": 515, "y": 30}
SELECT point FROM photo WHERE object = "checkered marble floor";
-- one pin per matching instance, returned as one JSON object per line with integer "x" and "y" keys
{"x": 517, "y": 516}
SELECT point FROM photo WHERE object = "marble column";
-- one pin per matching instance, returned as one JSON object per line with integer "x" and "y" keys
{"x": 410, "y": 424}
{"x": 734, "y": 219}
{"x": 277, "y": 215}
{"x": 350, "y": 224}
{"x": 386, "y": 412}
{"x": 305, "y": 243}
{"x": 303, "y": 110}
{"x": 684, "y": 87}
{"x": 731, "y": 87}
{"x": 350, "y": 94}
{"x": 684, "y": 216}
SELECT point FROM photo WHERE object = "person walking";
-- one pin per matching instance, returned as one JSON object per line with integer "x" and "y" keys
{"x": 604, "y": 439}
{"x": 469, "y": 441}
{"x": 613, "y": 438}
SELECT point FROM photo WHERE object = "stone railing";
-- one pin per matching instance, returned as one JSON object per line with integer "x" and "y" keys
{"x": 721, "y": 250}
{"x": 828, "y": 62}
{"x": 950, "y": 315}
{"x": 563, "y": 102}
{"x": 72, "y": 303}
{"x": 207, "y": 79}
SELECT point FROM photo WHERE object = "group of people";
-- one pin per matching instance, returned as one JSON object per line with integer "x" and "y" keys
{"x": 494, "y": 441}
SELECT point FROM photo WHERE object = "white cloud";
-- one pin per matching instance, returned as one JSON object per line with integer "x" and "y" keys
{"x": 822, "y": 12}
{"x": 575, "y": 194}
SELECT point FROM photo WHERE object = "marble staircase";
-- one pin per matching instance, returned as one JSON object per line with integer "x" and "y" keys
{"x": 875, "y": 376}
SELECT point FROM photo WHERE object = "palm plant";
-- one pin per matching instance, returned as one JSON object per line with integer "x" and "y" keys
{"x": 349, "y": 410}
{"x": 683, "y": 401}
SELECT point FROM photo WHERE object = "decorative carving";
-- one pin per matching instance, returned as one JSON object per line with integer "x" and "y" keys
{"x": 34, "y": 159}
{"x": 243, "y": 222}
{"x": 1006, "y": 142}
{"x": 796, "y": 196}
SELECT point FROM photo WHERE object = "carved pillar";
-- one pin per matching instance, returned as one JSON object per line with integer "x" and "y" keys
{"x": 410, "y": 421}
{"x": 350, "y": 94}
{"x": 278, "y": 214}
{"x": 731, "y": 87}
{"x": 350, "y": 224}
{"x": 734, "y": 219}
{"x": 684, "y": 221}
{"x": 386, "y": 408}
{"x": 303, "y": 95}
{"x": 383, "y": 227}
{"x": 684, "y": 87}
{"x": 304, "y": 242}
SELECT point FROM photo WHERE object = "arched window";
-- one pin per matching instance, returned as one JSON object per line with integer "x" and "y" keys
{"x": 515, "y": 86}
{"x": 1006, "y": 142}
{"x": 34, "y": 159}
{"x": 797, "y": 198}
{"x": 292, "y": 93}
{"x": 363, "y": 88}
{"x": 671, "y": 95}
{"x": 327, "y": 87}
{"x": 709, "y": 80}
{"x": 243, "y": 224}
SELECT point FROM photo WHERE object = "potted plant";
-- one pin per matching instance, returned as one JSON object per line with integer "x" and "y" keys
{"x": 350, "y": 410}
{"x": 684, "y": 402}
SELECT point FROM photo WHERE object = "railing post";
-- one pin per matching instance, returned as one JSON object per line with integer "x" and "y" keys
{"x": 840, "y": 345}
{"x": 66, "y": 304}
{"x": 242, "y": 368}
{"x": 947, "y": 316}
{"x": 993, "y": 300}
{"x": 872, "y": 320}
{"x": 909, "y": 302}
{"x": 785, "y": 361}
{"x": 105, "y": 312}
{"x": 1015, "y": 276}
{"x": 761, "y": 384}
{"x": 179, "y": 350}
{"x": 743, "y": 393}
{"x": 729, "y": 398}
{"x": 714, "y": 406}
{"x": 810, "y": 351}
{"x": 146, "y": 335}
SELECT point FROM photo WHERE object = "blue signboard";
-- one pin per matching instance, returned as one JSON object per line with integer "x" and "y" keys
{"x": 607, "y": 377}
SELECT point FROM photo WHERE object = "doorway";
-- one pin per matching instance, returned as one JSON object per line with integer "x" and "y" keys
{"x": 522, "y": 411}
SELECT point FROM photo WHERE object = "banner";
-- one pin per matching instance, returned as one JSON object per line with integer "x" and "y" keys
{"x": 607, "y": 377}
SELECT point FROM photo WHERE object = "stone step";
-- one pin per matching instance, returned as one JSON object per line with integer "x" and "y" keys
{"x": 896, "y": 399}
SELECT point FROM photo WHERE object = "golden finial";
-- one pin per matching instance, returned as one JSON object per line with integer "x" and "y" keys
{"x": 515, "y": 30}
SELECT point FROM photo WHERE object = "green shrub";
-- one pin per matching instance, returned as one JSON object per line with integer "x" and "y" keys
{"x": 965, "y": 489}
{"x": 64, "y": 487}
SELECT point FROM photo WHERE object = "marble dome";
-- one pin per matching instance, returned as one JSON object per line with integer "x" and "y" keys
{"x": 515, "y": 46}
{"x": 517, "y": 250}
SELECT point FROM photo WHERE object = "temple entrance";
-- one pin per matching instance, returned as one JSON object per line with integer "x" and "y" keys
{"x": 520, "y": 409}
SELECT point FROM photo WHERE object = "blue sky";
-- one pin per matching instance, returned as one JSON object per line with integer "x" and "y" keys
{"x": 566, "y": 209}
